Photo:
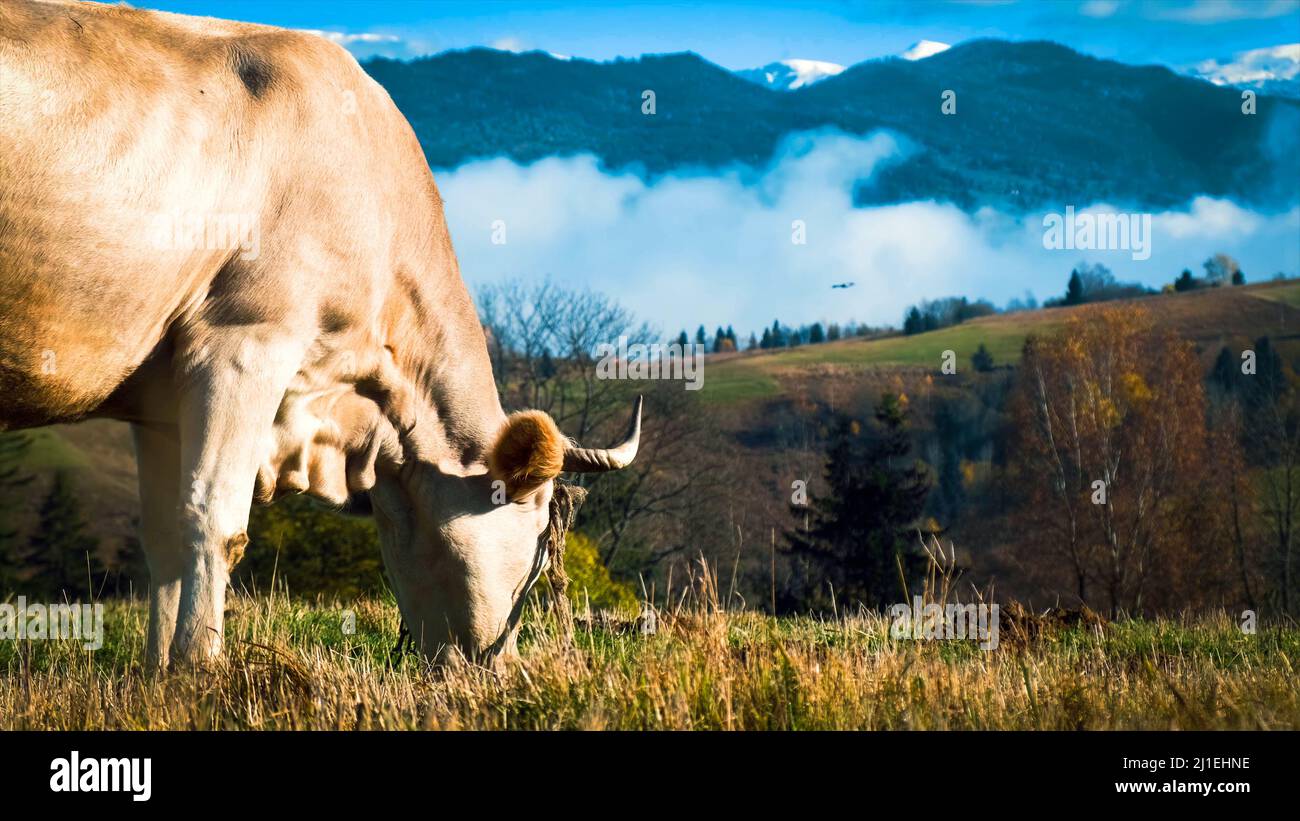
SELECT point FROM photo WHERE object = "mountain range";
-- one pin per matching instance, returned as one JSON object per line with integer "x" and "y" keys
{"x": 1036, "y": 124}
{"x": 791, "y": 75}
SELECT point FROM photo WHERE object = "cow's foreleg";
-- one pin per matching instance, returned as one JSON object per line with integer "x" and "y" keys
{"x": 158, "y": 462}
{"x": 227, "y": 409}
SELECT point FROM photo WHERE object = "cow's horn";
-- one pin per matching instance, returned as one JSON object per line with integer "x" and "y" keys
{"x": 599, "y": 460}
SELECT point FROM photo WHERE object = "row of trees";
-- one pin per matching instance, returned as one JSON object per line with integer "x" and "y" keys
{"x": 776, "y": 336}
{"x": 1220, "y": 270}
{"x": 1087, "y": 283}
{"x": 1096, "y": 283}
{"x": 931, "y": 315}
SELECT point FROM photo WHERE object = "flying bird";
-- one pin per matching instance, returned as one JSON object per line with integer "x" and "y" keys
{"x": 844, "y": 285}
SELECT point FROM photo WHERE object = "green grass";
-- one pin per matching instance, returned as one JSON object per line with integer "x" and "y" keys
{"x": 289, "y": 665}
{"x": 758, "y": 376}
{"x": 1287, "y": 294}
{"x": 49, "y": 451}
{"x": 736, "y": 381}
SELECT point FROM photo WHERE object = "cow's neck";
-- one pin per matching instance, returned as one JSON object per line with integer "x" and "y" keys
{"x": 439, "y": 348}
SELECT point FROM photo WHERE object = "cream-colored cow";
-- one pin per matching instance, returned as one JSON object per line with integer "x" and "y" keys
{"x": 227, "y": 235}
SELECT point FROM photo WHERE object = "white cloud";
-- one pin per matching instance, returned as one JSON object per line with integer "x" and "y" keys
{"x": 1219, "y": 11}
{"x": 375, "y": 43}
{"x": 1254, "y": 66}
{"x": 716, "y": 248}
{"x": 1099, "y": 8}
{"x": 345, "y": 39}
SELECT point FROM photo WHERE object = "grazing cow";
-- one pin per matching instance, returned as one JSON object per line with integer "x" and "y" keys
{"x": 227, "y": 235}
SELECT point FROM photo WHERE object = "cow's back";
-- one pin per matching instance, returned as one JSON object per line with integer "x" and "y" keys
{"x": 161, "y": 176}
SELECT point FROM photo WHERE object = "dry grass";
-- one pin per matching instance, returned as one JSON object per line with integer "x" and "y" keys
{"x": 291, "y": 667}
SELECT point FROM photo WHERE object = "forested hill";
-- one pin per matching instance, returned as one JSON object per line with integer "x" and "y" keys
{"x": 1036, "y": 123}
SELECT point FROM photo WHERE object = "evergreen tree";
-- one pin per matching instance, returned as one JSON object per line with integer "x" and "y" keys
{"x": 816, "y": 334}
{"x": 719, "y": 337}
{"x": 1185, "y": 281}
{"x": 701, "y": 337}
{"x": 1268, "y": 382}
{"x": 1225, "y": 371}
{"x": 13, "y": 450}
{"x": 683, "y": 340}
{"x": 832, "y": 332}
{"x": 1238, "y": 277}
{"x": 913, "y": 323}
{"x": 861, "y": 529}
{"x": 61, "y": 554}
{"x": 779, "y": 339}
{"x": 753, "y": 341}
{"x": 982, "y": 359}
{"x": 767, "y": 339}
{"x": 1074, "y": 290}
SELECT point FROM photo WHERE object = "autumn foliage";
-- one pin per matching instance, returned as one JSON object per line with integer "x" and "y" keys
{"x": 1109, "y": 444}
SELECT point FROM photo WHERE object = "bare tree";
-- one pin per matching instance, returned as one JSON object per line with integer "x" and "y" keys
{"x": 543, "y": 340}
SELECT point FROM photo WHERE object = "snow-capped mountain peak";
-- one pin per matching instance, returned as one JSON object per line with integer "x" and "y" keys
{"x": 1274, "y": 70}
{"x": 788, "y": 75}
{"x": 924, "y": 48}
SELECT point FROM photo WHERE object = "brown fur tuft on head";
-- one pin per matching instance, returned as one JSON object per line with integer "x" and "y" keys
{"x": 528, "y": 452}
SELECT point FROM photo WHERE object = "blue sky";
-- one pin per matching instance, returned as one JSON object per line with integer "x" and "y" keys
{"x": 744, "y": 35}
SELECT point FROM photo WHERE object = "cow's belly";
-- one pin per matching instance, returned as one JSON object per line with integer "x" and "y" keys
{"x": 62, "y": 354}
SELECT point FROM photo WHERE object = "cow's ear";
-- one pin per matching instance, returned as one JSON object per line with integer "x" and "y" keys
{"x": 528, "y": 452}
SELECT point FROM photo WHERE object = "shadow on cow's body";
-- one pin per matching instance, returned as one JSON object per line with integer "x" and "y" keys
{"x": 227, "y": 235}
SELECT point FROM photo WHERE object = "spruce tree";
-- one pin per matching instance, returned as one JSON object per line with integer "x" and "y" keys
{"x": 1074, "y": 289}
{"x": 1226, "y": 370}
{"x": 861, "y": 528}
{"x": 61, "y": 554}
{"x": 913, "y": 323}
{"x": 13, "y": 478}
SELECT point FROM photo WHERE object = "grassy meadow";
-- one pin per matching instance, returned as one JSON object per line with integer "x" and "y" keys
{"x": 1211, "y": 318}
{"x": 290, "y": 666}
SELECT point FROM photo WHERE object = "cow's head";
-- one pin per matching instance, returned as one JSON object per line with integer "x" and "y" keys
{"x": 463, "y": 545}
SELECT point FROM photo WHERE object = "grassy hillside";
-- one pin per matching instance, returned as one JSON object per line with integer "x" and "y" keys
{"x": 291, "y": 667}
{"x": 1211, "y": 318}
